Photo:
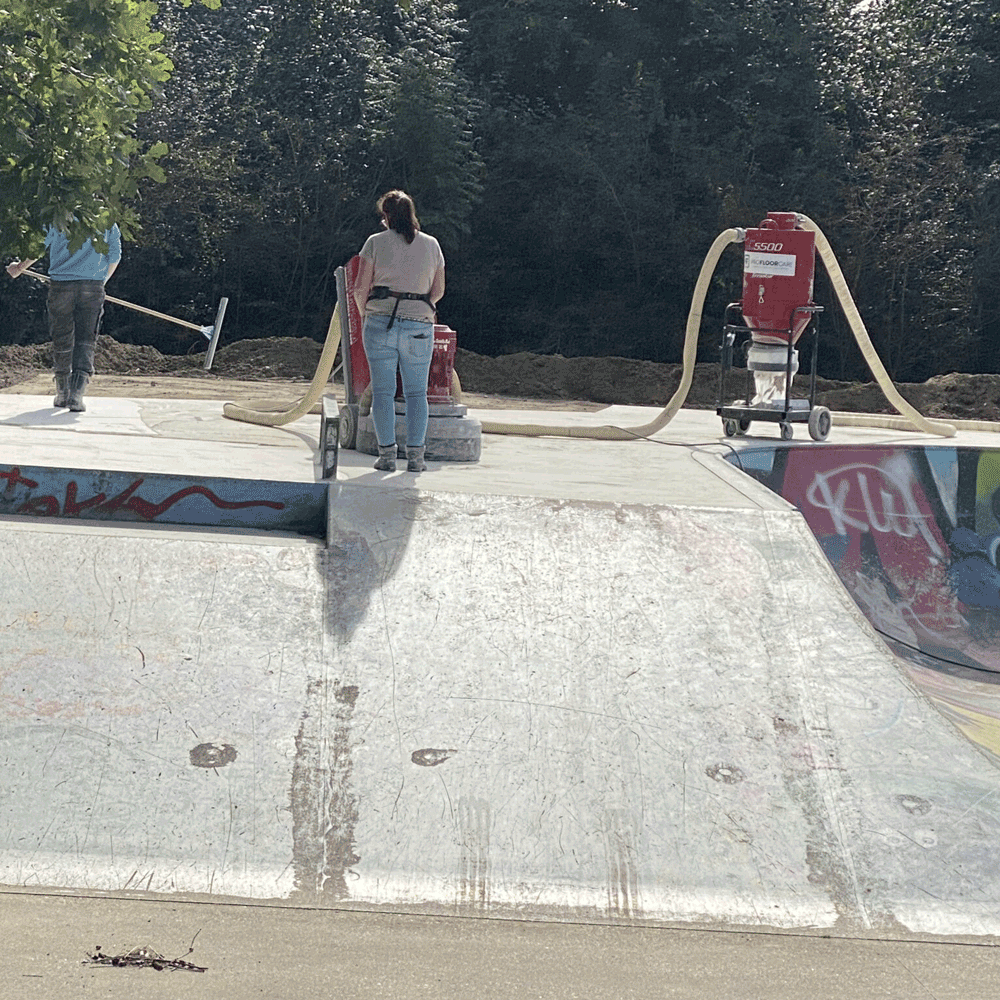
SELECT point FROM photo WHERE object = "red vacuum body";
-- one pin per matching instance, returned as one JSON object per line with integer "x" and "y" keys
{"x": 779, "y": 265}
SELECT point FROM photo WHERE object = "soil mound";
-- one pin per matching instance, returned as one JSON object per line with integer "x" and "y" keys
{"x": 528, "y": 376}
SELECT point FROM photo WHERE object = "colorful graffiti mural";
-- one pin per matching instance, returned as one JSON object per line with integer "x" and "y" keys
{"x": 913, "y": 533}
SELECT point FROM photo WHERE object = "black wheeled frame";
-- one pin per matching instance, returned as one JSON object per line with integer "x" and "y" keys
{"x": 738, "y": 416}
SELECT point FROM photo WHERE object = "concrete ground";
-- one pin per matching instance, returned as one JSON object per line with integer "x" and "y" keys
{"x": 269, "y": 949}
{"x": 287, "y": 954}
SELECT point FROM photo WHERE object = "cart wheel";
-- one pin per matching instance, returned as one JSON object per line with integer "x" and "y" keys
{"x": 729, "y": 428}
{"x": 819, "y": 423}
{"x": 348, "y": 426}
{"x": 786, "y": 430}
{"x": 744, "y": 424}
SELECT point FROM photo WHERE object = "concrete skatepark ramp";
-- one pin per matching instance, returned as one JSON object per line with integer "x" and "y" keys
{"x": 483, "y": 704}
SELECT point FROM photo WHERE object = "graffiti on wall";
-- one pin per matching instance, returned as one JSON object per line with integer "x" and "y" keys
{"x": 128, "y": 496}
{"x": 913, "y": 533}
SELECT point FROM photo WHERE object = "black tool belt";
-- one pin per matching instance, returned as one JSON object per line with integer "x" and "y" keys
{"x": 385, "y": 292}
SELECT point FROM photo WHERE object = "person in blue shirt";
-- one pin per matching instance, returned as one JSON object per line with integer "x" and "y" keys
{"x": 75, "y": 306}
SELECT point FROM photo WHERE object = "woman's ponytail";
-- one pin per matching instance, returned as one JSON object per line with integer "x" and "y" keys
{"x": 400, "y": 215}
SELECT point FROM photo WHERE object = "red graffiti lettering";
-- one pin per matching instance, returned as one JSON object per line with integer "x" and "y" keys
{"x": 42, "y": 506}
{"x": 123, "y": 499}
{"x": 14, "y": 478}
{"x": 150, "y": 510}
{"x": 72, "y": 508}
{"x": 49, "y": 506}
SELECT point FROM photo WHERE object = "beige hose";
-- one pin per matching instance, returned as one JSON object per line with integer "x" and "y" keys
{"x": 913, "y": 418}
{"x": 904, "y": 424}
{"x": 316, "y": 388}
{"x": 611, "y": 433}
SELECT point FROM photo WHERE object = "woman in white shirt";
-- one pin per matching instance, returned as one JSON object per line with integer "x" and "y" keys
{"x": 399, "y": 283}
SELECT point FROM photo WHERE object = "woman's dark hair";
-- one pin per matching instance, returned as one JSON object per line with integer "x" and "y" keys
{"x": 397, "y": 207}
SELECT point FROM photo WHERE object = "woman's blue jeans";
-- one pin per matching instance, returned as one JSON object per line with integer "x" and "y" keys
{"x": 408, "y": 345}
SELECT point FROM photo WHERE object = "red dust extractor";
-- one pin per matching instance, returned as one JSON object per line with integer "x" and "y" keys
{"x": 779, "y": 266}
{"x": 779, "y": 263}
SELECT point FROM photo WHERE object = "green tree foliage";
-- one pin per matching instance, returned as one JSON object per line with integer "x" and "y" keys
{"x": 562, "y": 236}
{"x": 425, "y": 143}
{"x": 306, "y": 111}
{"x": 575, "y": 157}
{"x": 268, "y": 109}
{"x": 964, "y": 96}
{"x": 619, "y": 139}
{"x": 74, "y": 76}
{"x": 909, "y": 228}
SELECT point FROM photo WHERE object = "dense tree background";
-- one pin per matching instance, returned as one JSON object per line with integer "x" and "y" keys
{"x": 576, "y": 158}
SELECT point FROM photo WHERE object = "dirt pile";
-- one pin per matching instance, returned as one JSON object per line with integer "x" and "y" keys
{"x": 528, "y": 376}
{"x": 645, "y": 383}
{"x": 246, "y": 360}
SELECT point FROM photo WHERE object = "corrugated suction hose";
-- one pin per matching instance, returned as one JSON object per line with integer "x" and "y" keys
{"x": 911, "y": 416}
{"x": 316, "y": 388}
{"x": 609, "y": 432}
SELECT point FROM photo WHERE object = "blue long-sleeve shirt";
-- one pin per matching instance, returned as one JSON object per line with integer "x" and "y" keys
{"x": 86, "y": 264}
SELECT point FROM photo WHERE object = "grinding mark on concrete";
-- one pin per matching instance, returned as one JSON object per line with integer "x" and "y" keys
{"x": 97, "y": 791}
{"x": 395, "y": 680}
{"x": 212, "y": 755}
{"x": 810, "y": 770}
{"x": 431, "y": 757}
{"x": 324, "y": 809}
{"x": 475, "y": 866}
{"x": 621, "y": 857}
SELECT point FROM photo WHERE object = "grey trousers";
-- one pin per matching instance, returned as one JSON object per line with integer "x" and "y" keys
{"x": 75, "y": 309}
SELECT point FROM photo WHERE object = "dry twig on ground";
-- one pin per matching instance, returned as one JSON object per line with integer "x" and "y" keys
{"x": 145, "y": 957}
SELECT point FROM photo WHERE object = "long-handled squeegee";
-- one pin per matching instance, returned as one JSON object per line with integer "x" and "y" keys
{"x": 211, "y": 333}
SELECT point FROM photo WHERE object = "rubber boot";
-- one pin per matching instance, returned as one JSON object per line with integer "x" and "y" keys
{"x": 415, "y": 460}
{"x": 62, "y": 391}
{"x": 386, "y": 458}
{"x": 77, "y": 386}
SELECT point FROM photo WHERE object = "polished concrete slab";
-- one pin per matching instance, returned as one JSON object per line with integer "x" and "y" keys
{"x": 165, "y": 436}
{"x": 613, "y": 682}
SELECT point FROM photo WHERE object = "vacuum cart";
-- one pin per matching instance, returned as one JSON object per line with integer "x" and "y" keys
{"x": 778, "y": 272}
